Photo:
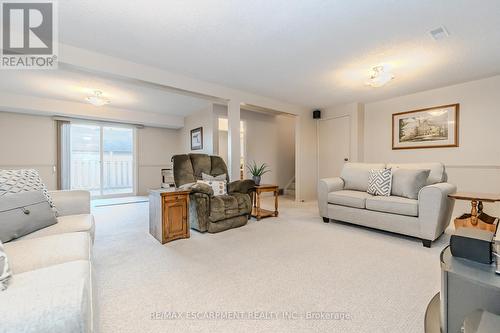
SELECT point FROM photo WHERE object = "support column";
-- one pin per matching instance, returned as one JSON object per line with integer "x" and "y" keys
{"x": 233, "y": 140}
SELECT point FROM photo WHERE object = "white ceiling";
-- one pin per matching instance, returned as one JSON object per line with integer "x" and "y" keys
{"x": 313, "y": 53}
{"x": 76, "y": 86}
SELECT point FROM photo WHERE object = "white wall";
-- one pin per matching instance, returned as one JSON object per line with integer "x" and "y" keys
{"x": 270, "y": 139}
{"x": 475, "y": 164}
{"x": 155, "y": 148}
{"x": 29, "y": 142}
{"x": 204, "y": 118}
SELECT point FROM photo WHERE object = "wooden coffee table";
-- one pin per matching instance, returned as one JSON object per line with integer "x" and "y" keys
{"x": 259, "y": 212}
{"x": 476, "y": 200}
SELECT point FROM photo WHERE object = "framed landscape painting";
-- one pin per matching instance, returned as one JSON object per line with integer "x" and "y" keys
{"x": 435, "y": 127}
{"x": 197, "y": 138}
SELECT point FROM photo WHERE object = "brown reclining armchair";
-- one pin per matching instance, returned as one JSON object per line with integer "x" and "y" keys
{"x": 206, "y": 211}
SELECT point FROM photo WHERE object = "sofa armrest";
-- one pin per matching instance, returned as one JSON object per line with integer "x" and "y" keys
{"x": 435, "y": 209}
{"x": 202, "y": 188}
{"x": 241, "y": 186}
{"x": 71, "y": 202}
{"x": 325, "y": 186}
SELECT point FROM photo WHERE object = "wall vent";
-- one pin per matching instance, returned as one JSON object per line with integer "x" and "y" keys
{"x": 439, "y": 33}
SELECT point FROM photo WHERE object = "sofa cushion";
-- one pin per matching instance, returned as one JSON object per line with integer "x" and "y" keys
{"x": 183, "y": 170}
{"x": 52, "y": 299}
{"x": 218, "y": 167}
{"x": 223, "y": 207}
{"x": 408, "y": 182}
{"x": 437, "y": 171}
{"x": 394, "y": 205}
{"x": 65, "y": 224}
{"x": 220, "y": 177}
{"x": 349, "y": 198}
{"x": 23, "y": 213}
{"x": 244, "y": 203}
{"x": 201, "y": 164}
{"x": 219, "y": 187}
{"x": 30, "y": 254}
{"x": 355, "y": 175}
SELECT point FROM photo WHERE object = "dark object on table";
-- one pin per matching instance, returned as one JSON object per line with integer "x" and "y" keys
{"x": 487, "y": 218}
{"x": 473, "y": 244}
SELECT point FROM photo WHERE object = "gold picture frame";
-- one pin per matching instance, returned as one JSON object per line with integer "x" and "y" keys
{"x": 435, "y": 127}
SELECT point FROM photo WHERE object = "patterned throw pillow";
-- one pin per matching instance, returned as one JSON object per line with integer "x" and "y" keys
{"x": 5, "y": 272}
{"x": 23, "y": 180}
{"x": 204, "y": 176}
{"x": 379, "y": 182}
{"x": 218, "y": 186}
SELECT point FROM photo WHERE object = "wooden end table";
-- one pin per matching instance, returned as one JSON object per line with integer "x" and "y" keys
{"x": 169, "y": 214}
{"x": 476, "y": 200}
{"x": 259, "y": 212}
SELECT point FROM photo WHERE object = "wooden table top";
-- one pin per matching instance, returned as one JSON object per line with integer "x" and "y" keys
{"x": 169, "y": 191}
{"x": 487, "y": 197}
{"x": 266, "y": 186}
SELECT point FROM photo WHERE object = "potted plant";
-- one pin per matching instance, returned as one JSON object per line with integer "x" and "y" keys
{"x": 257, "y": 171}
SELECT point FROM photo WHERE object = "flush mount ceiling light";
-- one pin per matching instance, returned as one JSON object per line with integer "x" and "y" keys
{"x": 379, "y": 77}
{"x": 97, "y": 99}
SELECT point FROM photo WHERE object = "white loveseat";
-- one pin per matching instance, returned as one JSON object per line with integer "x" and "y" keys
{"x": 51, "y": 289}
{"x": 426, "y": 217}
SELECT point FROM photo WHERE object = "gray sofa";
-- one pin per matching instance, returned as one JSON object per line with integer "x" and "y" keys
{"x": 425, "y": 217}
{"x": 51, "y": 289}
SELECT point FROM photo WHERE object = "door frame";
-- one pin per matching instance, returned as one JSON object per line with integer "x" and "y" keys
{"x": 348, "y": 116}
{"x": 135, "y": 168}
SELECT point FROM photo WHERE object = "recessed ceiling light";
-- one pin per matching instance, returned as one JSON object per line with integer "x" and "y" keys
{"x": 379, "y": 77}
{"x": 97, "y": 99}
{"x": 439, "y": 33}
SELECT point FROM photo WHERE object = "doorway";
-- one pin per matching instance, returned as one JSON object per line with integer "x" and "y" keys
{"x": 102, "y": 159}
{"x": 223, "y": 143}
{"x": 333, "y": 145}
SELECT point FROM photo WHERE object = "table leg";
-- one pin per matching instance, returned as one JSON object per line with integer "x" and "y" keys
{"x": 275, "y": 203}
{"x": 257, "y": 199}
{"x": 473, "y": 212}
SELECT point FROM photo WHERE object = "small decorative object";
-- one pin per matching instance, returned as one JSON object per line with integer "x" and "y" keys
{"x": 197, "y": 138}
{"x": 435, "y": 127}
{"x": 257, "y": 171}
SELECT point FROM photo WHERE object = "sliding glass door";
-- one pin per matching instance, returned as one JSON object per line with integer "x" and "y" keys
{"x": 102, "y": 159}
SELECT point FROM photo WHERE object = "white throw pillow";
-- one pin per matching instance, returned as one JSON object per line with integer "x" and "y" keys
{"x": 205, "y": 176}
{"x": 5, "y": 272}
{"x": 379, "y": 182}
{"x": 218, "y": 186}
{"x": 23, "y": 180}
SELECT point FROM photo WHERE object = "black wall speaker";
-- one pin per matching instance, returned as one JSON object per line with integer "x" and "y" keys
{"x": 317, "y": 114}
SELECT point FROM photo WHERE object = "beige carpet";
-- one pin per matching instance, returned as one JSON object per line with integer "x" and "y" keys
{"x": 273, "y": 273}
